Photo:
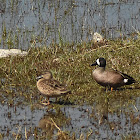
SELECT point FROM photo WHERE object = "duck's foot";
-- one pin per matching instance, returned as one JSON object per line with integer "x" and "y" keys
{"x": 44, "y": 103}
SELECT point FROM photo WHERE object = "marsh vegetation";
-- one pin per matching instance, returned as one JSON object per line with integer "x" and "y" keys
{"x": 90, "y": 112}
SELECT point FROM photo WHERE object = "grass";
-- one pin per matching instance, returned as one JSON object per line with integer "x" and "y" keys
{"x": 70, "y": 65}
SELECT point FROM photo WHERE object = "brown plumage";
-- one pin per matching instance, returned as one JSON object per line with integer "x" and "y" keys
{"x": 110, "y": 78}
{"x": 50, "y": 87}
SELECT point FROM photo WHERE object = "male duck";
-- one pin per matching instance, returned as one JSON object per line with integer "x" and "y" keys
{"x": 49, "y": 87}
{"x": 112, "y": 78}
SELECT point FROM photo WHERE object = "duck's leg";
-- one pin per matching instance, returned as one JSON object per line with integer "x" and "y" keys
{"x": 111, "y": 88}
{"x": 56, "y": 99}
{"x": 48, "y": 103}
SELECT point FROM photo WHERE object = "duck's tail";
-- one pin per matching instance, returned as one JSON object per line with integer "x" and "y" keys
{"x": 65, "y": 92}
{"x": 128, "y": 79}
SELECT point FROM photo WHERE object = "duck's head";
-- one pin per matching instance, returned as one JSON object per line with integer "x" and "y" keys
{"x": 101, "y": 62}
{"x": 47, "y": 75}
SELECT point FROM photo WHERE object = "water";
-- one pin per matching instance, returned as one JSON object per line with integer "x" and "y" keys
{"x": 20, "y": 119}
{"x": 25, "y": 24}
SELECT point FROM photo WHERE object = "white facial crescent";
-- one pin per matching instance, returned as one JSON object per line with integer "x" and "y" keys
{"x": 98, "y": 62}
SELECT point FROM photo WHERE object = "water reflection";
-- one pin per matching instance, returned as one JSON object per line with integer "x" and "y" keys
{"x": 99, "y": 120}
{"x": 51, "y": 123}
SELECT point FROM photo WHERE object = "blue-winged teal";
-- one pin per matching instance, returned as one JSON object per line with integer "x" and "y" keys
{"x": 49, "y": 87}
{"x": 112, "y": 78}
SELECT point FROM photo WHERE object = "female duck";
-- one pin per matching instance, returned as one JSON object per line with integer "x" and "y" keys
{"x": 112, "y": 79}
{"x": 49, "y": 87}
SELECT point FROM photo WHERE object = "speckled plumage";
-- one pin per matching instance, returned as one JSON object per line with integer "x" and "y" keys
{"x": 50, "y": 87}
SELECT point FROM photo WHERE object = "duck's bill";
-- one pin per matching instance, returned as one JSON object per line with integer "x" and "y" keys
{"x": 39, "y": 77}
{"x": 94, "y": 64}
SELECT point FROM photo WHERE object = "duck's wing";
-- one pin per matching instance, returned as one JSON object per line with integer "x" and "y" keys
{"x": 55, "y": 84}
{"x": 129, "y": 79}
{"x": 57, "y": 88}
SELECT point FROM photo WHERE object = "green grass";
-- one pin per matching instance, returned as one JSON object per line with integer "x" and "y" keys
{"x": 72, "y": 67}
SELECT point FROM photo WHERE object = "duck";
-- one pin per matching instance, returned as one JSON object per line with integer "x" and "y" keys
{"x": 50, "y": 87}
{"x": 110, "y": 78}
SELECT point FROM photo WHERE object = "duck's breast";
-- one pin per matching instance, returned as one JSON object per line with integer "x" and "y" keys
{"x": 44, "y": 88}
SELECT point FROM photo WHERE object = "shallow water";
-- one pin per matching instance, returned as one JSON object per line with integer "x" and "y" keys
{"x": 25, "y": 24}
{"x": 20, "y": 119}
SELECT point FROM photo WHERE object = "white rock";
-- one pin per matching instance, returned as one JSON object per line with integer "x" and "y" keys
{"x": 97, "y": 37}
{"x": 12, "y": 52}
